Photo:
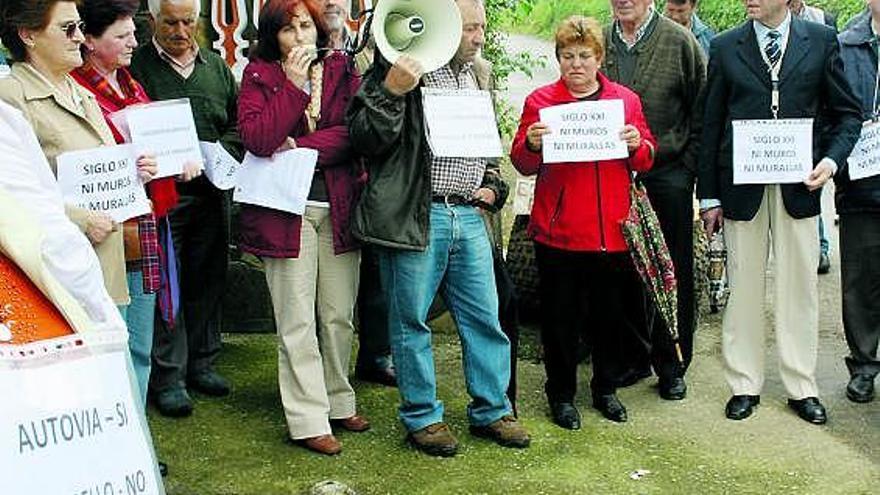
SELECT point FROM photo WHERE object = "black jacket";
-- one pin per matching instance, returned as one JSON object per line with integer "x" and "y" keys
{"x": 388, "y": 130}
{"x": 858, "y": 50}
{"x": 812, "y": 85}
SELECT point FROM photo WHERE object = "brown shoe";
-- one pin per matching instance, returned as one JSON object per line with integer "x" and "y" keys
{"x": 324, "y": 444}
{"x": 507, "y": 432}
{"x": 436, "y": 439}
{"x": 353, "y": 423}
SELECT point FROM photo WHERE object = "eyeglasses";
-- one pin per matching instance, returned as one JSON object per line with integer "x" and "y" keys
{"x": 70, "y": 28}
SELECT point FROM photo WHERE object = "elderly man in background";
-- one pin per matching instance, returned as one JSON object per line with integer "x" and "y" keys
{"x": 662, "y": 62}
{"x": 172, "y": 66}
{"x": 684, "y": 12}
{"x": 419, "y": 211}
{"x": 374, "y": 349}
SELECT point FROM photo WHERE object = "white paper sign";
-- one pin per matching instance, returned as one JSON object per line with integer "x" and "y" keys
{"x": 461, "y": 123}
{"x": 103, "y": 179}
{"x": 70, "y": 422}
{"x": 221, "y": 168}
{"x": 772, "y": 151}
{"x": 865, "y": 158}
{"x": 281, "y": 182}
{"x": 166, "y": 129}
{"x": 524, "y": 195}
{"x": 584, "y": 132}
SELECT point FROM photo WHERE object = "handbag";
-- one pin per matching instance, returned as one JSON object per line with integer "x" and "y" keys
{"x": 131, "y": 238}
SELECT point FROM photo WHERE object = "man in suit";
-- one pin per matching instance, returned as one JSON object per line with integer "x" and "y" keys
{"x": 773, "y": 66}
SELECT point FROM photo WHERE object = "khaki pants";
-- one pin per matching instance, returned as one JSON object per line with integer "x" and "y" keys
{"x": 314, "y": 297}
{"x": 795, "y": 305}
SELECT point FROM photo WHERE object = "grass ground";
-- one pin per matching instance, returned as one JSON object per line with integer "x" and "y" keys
{"x": 236, "y": 445}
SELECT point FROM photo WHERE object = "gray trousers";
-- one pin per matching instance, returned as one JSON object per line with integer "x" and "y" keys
{"x": 200, "y": 229}
{"x": 860, "y": 287}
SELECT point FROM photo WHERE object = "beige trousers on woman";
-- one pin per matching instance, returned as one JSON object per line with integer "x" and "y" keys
{"x": 314, "y": 297}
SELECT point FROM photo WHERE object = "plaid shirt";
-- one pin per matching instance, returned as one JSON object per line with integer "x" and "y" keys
{"x": 454, "y": 176}
{"x": 95, "y": 82}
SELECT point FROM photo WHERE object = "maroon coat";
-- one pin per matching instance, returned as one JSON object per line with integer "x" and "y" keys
{"x": 271, "y": 108}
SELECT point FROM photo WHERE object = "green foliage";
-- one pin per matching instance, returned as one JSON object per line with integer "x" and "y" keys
{"x": 503, "y": 62}
{"x": 540, "y": 17}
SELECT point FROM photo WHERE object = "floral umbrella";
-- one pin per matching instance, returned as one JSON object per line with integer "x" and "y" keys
{"x": 652, "y": 260}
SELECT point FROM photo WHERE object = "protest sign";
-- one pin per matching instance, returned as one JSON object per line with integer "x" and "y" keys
{"x": 70, "y": 421}
{"x": 584, "y": 132}
{"x": 281, "y": 182}
{"x": 772, "y": 151}
{"x": 221, "y": 168}
{"x": 524, "y": 195}
{"x": 461, "y": 123}
{"x": 103, "y": 179}
{"x": 865, "y": 158}
{"x": 166, "y": 129}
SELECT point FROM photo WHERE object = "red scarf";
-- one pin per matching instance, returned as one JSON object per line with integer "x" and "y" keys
{"x": 162, "y": 192}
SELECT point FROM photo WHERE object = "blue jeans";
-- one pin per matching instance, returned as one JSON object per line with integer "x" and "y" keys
{"x": 458, "y": 262}
{"x": 138, "y": 316}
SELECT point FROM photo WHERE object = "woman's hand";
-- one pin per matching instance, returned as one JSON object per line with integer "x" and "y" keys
{"x": 296, "y": 64}
{"x": 147, "y": 167}
{"x": 632, "y": 137}
{"x": 535, "y": 136}
{"x": 191, "y": 170}
{"x": 99, "y": 226}
{"x": 287, "y": 145}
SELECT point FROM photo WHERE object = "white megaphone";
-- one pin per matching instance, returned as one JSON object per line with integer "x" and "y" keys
{"x": 428, "y": 31}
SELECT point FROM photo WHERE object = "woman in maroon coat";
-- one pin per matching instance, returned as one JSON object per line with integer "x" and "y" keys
{"x": 293, "y": 95}
{"x": 579, "y": 248}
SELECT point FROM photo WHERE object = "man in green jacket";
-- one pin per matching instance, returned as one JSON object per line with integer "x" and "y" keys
{"x": 420, "y": 213}
{"x": 171, "y": 66}
{"x": 663, "y": 63}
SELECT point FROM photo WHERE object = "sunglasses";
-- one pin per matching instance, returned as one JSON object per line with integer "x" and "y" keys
{"x": 70, "y": 28}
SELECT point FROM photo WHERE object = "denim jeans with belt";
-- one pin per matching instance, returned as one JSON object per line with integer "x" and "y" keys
{"x": 458, "y": 263}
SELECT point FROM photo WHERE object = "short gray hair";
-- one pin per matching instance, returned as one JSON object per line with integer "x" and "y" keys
{"x": 156, "y": 5}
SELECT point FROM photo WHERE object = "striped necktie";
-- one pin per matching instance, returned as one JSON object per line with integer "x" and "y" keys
{"x": 772, "y": 49}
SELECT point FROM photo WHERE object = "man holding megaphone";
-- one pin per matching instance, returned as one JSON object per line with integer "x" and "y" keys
{"x": 420, "y": 211}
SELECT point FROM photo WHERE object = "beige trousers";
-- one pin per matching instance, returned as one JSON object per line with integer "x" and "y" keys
{"x": 795, "y": 305}
{"x": 314, "y": 297}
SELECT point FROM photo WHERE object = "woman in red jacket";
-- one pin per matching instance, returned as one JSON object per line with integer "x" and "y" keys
{"x": 580, "y": 251}
{"x": 293, "y": 94}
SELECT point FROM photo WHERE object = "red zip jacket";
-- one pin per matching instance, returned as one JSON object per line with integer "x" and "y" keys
{"x": 579, "y": 206}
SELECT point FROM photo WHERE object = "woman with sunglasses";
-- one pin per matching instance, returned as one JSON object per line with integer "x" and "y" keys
{"x": 43, "y": 38}
{"x": 294, "y": 94}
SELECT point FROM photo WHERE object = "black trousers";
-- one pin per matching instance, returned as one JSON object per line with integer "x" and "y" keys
{"x": 860, "y": 281}
{"x": 374, "y": 351}
{"x": 671, "y": 191}
{"x": 200, "y": 231}
{"x": 608, "y": 285}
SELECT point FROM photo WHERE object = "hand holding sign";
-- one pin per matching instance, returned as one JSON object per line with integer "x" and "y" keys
{"x": 585, "y": 132}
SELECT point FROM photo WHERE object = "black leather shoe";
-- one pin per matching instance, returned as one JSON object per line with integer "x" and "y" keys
{"x": 610, "y": 407}
{"x": 566, "y": 415}
{"x": 209, "y": 382}
{"x": 824, "y": 264}
{"x": 674, "y": 389}
{"x": 163, "y": 469}
{"x": 809, "y": 409}
{"x": 382, "y": 376}
{"x": 741, "y": 406}
{"x": 173, "y": 402}
{"x": 860, "y": 388}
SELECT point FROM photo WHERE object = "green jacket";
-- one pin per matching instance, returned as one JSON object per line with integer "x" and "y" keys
{"x": 388, "y": 130}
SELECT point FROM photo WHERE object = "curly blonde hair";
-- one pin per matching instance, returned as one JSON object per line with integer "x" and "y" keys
{"x": 580, "y": 30}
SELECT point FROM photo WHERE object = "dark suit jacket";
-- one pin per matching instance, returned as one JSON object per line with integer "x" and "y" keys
{"x": 812, "y": 85}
